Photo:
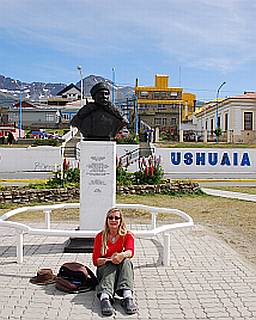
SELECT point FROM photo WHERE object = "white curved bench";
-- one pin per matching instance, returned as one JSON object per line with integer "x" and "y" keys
{"x": 23, "y": 229}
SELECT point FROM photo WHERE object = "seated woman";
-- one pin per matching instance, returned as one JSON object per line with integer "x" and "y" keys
{"x": 113, "y": 248}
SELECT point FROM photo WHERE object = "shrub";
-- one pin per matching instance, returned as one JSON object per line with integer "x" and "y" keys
{"x": 150, "y": 172}
{"x": 218, "y": 132}
{"x": 123, "y": 177}
{"x": 130, "y": 139}
{"x": 46, "y": 142}
{"x": 69, "y": 177}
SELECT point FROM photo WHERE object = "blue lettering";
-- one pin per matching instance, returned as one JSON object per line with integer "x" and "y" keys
{"x": 200, "y": 159}
{"x": 235, "y": 159}
{"x": 225, "y": 159}
{"x": 188, "y": 158}
{"x": 174, "y": 160}
{"x": 213, "y": 158}
{"x": 245, "y": 160}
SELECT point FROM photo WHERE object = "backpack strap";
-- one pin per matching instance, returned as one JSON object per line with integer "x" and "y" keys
{"x": 94, "y": 280}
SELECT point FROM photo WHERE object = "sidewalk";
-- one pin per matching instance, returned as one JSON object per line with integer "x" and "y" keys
{"x": 206, "y": 280}
{"x": 230, "y": 194}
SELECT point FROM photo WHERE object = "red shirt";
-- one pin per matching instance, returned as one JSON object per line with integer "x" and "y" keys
{"x": 122, "y": 244}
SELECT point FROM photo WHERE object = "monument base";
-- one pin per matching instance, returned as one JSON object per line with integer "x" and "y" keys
{"x": 79, "y": 245}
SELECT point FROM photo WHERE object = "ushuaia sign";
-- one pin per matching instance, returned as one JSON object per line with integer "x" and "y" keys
{"x": 208, "y": 160}
{"x": 211, "y": 158}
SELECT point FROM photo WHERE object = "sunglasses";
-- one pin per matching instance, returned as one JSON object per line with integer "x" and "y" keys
{"x": 114, "y": 218}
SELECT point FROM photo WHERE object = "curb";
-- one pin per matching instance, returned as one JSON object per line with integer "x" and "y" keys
{"x": 222, "y": 180}
{"x": 24, "y": 180}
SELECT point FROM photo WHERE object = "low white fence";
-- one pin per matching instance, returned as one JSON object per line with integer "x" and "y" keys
{"x": 154, "y": 230}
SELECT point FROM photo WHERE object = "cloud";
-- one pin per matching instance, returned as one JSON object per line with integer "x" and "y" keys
{"x": 204, "y": 33}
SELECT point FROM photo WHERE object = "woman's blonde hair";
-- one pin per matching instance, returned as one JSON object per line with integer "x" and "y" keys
{"x": 121, "y": 229}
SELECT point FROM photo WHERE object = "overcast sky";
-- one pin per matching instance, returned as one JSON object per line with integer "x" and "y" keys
{"x": 198, "y": 43}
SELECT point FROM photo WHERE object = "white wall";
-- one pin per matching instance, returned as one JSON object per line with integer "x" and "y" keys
{"x": 41, "y": 158}
{"x": 192, "y": 160}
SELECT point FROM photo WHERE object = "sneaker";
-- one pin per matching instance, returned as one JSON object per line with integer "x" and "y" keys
{"x": 129, "y": 306}
{"x": 106, "y": 307}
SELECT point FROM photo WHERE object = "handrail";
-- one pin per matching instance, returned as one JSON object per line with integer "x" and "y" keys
{"x": 133, "y": 155}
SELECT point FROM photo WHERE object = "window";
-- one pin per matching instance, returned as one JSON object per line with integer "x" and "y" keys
{"x": 211, "y": 125}
{"x": 157, "y": 121}
{"x": 248, "y": 121}
{"x": 13, "y": 117}
{"x": 160, "y": 121}
{"x": 206, "y": 125}
{"x": 173, "y": 121}
{"x": 173, "y": 94}
{"x": 226, "y": 122}
{"x": 218, "y": 125}
{"x": 49, "y": 117}
{"x": 143, "y": 94}
{"x": 156, "y": 95}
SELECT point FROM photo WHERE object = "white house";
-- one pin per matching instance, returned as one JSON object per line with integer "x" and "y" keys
{"x": 236, "y": 118}
{"x": 70, "y": 92}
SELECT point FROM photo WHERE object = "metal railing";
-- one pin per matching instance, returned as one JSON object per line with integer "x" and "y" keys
{"x": 154, "y": 230}
{"x": 134, "y": 155}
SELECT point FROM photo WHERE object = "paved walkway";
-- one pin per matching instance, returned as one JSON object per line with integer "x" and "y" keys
{"x": 230, "y": 194}
{"x": 206, "y": 280}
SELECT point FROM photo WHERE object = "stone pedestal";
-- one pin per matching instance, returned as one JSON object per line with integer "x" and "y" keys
{"x": 97, "y": 182}
{"x": 97, "y": 190}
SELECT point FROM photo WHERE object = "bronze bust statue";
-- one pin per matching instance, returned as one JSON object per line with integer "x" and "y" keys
{"x": 99, "y": 120}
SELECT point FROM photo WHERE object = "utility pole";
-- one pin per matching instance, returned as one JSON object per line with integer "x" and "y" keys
{"x": 20, "y": 109}
{"x": 79, "y": 68}
{"x": 217, "y": 111}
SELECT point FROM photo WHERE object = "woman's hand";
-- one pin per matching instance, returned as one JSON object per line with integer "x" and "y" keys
{"x": 117, "y": 257}
{"x": 102, "y": 261}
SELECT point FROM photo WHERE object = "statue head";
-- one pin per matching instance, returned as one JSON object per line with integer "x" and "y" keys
{"x": 100, "y": 93}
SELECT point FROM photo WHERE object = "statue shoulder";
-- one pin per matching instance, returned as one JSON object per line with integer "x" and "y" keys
{"x": 86, "y": 110}
{"x": 116, "y": 112}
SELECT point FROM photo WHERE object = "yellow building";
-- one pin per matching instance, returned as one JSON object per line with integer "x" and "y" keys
{"x": 163, "y": 106}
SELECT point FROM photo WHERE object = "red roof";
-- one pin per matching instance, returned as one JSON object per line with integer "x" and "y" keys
{"x": 246, "y": 95}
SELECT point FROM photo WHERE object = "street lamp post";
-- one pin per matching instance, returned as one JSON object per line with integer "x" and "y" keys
{"x": 217, "y": 111}
{"x": 79, "y": 68}
{"x": 136, "y": 111}
{"x": 20, "y": 108}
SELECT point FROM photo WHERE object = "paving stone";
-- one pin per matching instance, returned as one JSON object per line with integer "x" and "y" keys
{"x": 206, "y": 280}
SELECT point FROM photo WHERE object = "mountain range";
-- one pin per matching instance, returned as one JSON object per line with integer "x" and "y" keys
{"x": 34, "y": 91}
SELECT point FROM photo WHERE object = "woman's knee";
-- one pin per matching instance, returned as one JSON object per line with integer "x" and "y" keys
{"x": 126, "y": 264}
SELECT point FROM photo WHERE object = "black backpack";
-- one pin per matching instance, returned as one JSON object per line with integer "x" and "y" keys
{"x": 74, "y": 277}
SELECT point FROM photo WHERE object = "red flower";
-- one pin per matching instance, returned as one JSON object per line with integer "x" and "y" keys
{"x": 152, "y": 170}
